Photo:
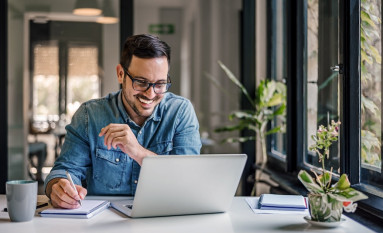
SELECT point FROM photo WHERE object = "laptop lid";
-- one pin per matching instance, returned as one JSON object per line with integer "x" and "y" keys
{"x": 187, "y": 184}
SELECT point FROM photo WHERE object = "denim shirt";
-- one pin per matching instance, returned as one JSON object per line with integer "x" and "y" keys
{"x": 171, "y": 129}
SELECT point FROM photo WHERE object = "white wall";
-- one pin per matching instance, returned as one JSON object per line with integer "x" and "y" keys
{"x": 211, "y": 33}
{"x": 147, "y": 14}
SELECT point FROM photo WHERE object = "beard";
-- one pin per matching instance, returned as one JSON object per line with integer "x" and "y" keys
{"x": 134, "y": 104}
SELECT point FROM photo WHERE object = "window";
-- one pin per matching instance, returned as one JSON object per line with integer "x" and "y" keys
{"x": 45, "y": 83}
{"x": 322, "y": 83}
{"x": 334, "y": 73}
{"x": 277, "y": 66}
{"x": 83, "y": 80}
{"x": 65, "y": 68}
{"x": 371, "y": 91}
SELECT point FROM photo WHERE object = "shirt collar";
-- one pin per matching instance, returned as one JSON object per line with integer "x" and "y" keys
{"x": 156, "y": 115}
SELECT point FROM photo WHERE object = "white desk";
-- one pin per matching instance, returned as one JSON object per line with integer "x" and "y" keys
{"x": 239, "y": 218}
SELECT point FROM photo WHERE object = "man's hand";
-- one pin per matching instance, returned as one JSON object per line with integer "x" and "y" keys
{"x": 121, "y": 136}
{"x": 63, "y": 195}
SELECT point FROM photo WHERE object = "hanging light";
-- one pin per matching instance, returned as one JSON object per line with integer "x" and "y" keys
{"x": 108, "y": 16}
{"x": 87, "y": 8}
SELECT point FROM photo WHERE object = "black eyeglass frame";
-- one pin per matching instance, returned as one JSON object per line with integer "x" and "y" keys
{"x": 168, "y": 84}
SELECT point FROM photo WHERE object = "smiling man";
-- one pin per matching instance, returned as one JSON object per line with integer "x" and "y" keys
{"x": 109, "y": 137}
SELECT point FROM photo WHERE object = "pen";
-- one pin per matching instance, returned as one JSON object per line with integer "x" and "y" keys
{"x": 37, "y": 207}
{"x": 74, "y": 187}
{"x": 42, "y": 205}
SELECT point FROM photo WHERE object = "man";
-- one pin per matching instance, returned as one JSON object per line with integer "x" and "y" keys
{"x": 108, "y": 138}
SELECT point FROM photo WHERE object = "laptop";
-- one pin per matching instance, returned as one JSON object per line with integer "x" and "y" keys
{"x": 184, "y": 184}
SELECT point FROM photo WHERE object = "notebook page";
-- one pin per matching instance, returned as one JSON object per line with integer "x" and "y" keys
{"x": 87, "y": 207}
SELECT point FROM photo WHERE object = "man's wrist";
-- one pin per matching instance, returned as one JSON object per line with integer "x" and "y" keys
{"x": 48, "y": 188}
{"x": 143, "y": 153}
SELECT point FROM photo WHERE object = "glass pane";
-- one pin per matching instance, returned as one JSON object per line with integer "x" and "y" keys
{"x": 322, "y": 83}
{"x": 83, "y": 79}
{"x": 279, "y": 71}
{"x": 371, "y": 89}
{"x": 45, "y": 85}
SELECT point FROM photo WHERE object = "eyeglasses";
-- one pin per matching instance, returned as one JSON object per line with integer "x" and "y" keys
{"x": 142, "y": 85}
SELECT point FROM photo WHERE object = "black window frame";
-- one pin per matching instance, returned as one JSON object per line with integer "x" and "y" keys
{"x": 369, "y": 211}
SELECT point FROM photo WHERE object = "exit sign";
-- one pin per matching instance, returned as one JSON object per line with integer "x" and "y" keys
{"x": 161, "y": 28}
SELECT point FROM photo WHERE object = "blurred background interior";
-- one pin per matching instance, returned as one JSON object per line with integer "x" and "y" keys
{"x": 53, "y": 57}
{"x": 59, "y": 58}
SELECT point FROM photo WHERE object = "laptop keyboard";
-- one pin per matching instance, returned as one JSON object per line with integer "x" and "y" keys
{"x": 129, "y": 206}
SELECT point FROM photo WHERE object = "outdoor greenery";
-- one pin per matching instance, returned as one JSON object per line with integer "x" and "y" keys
{"x": 370, "y": 81}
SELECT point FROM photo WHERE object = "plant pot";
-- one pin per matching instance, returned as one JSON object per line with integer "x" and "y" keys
{"x": 323, "y": 208}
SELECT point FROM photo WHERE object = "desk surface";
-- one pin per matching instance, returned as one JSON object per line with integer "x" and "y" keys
{"x": 240, "y": 218}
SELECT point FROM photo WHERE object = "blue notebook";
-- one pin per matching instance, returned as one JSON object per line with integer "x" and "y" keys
{"x": 88, "y": 209}
{"x": 282, "y": 202}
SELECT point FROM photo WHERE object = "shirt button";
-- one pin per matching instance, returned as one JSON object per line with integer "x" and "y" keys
{"x": 117, "y": 160}
{"x": 135, "y": 181}
{"x": 140, "y": 132}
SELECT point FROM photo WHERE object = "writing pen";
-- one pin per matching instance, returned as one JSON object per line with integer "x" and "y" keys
{"x": 74, "y": 187}
{"x": 37, "y": 207}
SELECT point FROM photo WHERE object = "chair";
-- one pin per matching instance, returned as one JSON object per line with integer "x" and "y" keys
{"x": 37, "y": 156}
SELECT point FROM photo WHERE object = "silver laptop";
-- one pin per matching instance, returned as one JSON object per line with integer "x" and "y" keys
{"x": 184, "y": 184}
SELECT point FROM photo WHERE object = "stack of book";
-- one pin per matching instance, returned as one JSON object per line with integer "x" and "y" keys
{"x": 282, "y": 202}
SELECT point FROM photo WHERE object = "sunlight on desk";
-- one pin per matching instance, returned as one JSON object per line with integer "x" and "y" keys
{"x": 239, "y": 218}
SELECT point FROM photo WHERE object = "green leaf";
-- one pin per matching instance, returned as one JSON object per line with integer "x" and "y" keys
{"x": 343, "y": 183}
{"x": 328, "y": 80}
{"x": 370, "y": 140}
{"x": 280, "y": 110}
{"x": 370, "y": 105}
{"x": 350, "y": 194}
{"x": 366, "y": 18}
{"x": 308, "y": 182}
{"x": 375, "y": 53}
{"x": 273, "y": 130}
{"x": 236, "y": 82}
{"x": 276, "y": 99}
{"x": 218, "y": 85}
{"x": 325, "y": 178}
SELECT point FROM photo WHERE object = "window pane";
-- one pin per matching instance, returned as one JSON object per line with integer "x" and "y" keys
{"x": 371, "y": 162}
{"x": 279, "y": 69}
{"x": 83, "y": 79}
{"x": 45, "y": 83}
{"x": 322, "y": 83}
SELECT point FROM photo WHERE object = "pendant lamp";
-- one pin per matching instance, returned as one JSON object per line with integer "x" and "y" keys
{"x": 87, "y": 8}
{"x": 108, "y": 16}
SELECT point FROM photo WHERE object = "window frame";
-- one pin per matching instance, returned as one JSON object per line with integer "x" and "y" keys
{"x": 350, "y": 113}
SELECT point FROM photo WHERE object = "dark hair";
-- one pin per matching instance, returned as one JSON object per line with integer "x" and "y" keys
{"x": 144, "y": 46}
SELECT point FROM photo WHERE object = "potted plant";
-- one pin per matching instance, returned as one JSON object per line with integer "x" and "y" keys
{"x": 269, "y": 103}
{"x": 326, "y": 200}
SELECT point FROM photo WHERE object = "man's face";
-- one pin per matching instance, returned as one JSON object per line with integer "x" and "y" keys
{"x": 140, "y": 104}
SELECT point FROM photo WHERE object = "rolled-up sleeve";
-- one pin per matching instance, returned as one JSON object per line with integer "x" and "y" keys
{"x": 187, "y": 140}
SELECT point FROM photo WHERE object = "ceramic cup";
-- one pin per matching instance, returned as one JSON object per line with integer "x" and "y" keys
{"x": 21, "y": 199}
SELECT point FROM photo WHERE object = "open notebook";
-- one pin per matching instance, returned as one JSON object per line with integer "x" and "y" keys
{"x": 88, "y": 209}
